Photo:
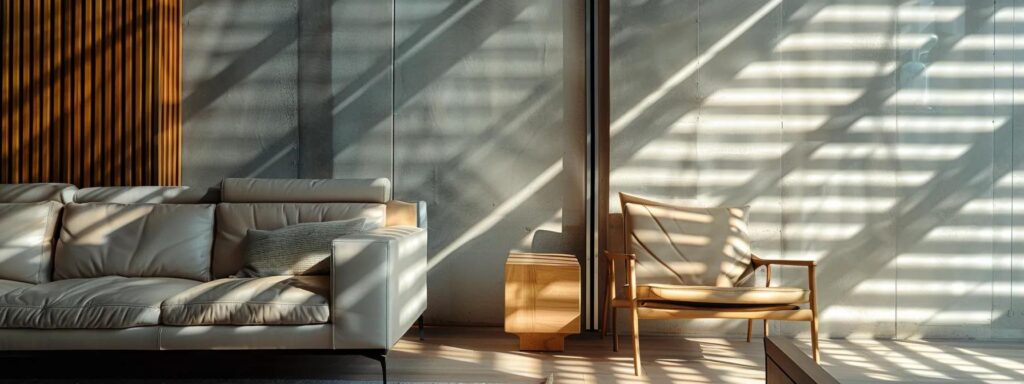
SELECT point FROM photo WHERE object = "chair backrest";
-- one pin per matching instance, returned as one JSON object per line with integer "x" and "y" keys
{"x": 685, "y": 243}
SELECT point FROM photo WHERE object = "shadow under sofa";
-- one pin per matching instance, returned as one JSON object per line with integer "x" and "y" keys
{"x": 150, "y": 268}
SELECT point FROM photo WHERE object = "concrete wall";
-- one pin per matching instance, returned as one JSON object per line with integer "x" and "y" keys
{"x": 877, "y": 137}
{"x": 460, "y": 103}
{"x": 240, "y": 91}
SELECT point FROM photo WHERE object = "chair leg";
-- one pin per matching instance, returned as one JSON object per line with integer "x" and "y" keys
{"x": 615, "y": 330}
{"x": 750, "y": 328}
{"x": 765, "y": 330}
{"x": 604, "y": 313}
{"x": 814, "y": 312}
{"x": 637, "y": 369}
{"x": 814, "y": 336}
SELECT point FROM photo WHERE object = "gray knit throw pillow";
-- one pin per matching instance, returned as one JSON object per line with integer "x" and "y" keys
{"x": 300, "y": 249}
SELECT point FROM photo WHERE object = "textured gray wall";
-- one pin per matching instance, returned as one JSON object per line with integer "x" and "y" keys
{"x": 877, "y": 137}
{"x": 478, "y": 135}
{"x": 240, "y": 93}
{"x": 469, "y": 119}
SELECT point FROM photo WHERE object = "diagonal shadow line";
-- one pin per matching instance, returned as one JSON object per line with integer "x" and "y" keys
{"x": 419, "y": 60}
{"x": 973, "y": 20}
{"x": 187, "y": 6}
{"x": 934, "y": 203}
{"x": 937, "y": 366}
{"x": 210, "y": 89}
{"x": 383, "y": 66}
{"x": 990, "y": 365}
{"x": 417, "y": 65}
{"x": 411, "y": 50}
{"x": 539, "y": 97}
{"x": 542, "y": 94}
{"x": 667, "y": 108}
{"x": 872, "y": 99}
{"x": 869, "y": 238}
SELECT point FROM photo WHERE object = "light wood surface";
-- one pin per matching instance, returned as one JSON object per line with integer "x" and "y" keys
{"x": 474, "y": 355}
{"x": 91, "y": 92}
{"x": 489, "y": 355}
{"x": 542, "y": 299}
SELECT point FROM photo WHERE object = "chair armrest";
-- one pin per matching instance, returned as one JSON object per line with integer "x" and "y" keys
{"x": 378, "y": 286}
{"x": 758, "y": 262}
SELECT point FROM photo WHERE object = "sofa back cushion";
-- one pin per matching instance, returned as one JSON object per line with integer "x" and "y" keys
{"x": 135, "y": 240}
{"x": 235, "y": 219}
{"x": 306, "y": 190}
{"x": 26, "y": 240}
{"x": 36, "y": 192}
{"x": 147, "y": 195}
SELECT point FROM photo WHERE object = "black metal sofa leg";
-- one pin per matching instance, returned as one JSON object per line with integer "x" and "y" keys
{"x": 383, "y": 360}
{"x": 419, "y": 323}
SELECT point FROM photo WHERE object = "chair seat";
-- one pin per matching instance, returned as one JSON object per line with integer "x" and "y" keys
{"x": 276, "y": 300}
{"x": 705, "y": 295}
{"x": 110, "y": 302}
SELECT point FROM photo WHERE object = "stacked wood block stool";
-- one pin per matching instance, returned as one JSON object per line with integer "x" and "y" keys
{"x": 542, "y": 299}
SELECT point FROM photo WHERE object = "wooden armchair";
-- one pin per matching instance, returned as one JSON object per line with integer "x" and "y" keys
{"x": 688, "y": 263}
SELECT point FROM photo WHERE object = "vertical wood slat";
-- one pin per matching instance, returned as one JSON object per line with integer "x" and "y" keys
{"x": 5, "y": 91}
{"x": 91, "y": 92}
{"x": 19, "y": 86}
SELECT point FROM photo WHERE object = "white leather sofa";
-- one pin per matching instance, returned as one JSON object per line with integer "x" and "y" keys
{"x": 148, "y": 268}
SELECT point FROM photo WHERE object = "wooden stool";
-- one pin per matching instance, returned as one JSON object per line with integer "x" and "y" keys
{"x": 542, "y": 299}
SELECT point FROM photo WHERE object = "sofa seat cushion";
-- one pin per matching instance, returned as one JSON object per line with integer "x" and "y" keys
{"x": 705, "y": 295}
{"x": 275, "y": 300}
{"x": 8, "y": 285}
{"x": 110, "y": 302}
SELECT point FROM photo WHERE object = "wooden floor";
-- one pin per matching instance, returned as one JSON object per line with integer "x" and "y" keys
{"x": 489, "y": 355}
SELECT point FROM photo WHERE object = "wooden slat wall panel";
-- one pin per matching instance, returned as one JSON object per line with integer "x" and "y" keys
{"x": 91, "y": 92}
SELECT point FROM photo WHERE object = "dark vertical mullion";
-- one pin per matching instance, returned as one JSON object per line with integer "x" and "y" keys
{"x": 599, "y": 100}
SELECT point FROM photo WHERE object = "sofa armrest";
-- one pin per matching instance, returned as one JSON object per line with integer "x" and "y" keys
{"x": 378, "y": 286}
